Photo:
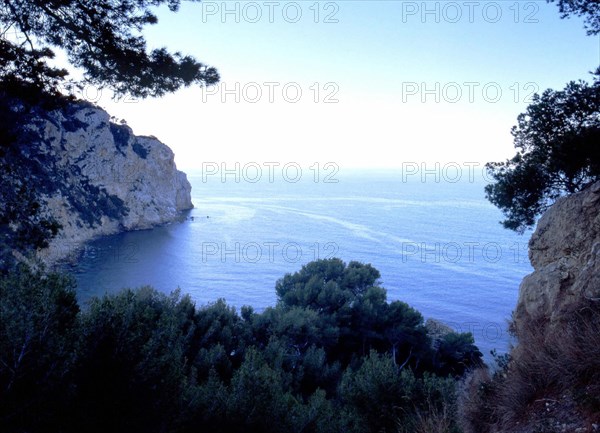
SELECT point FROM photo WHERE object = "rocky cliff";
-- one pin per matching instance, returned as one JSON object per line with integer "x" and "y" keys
{"x": 104, "y": 178}
{"x": 565, "y": 254}
{"x": 550, "y": 383}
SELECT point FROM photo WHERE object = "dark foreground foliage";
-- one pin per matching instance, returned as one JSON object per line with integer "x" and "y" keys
{"x": 558, "y": 153}
{"x": 549, "y": 381}
{"x": 332, "y": 356}
{"x": 557, "y": 140}
{"x": 103, "y": 38}
{"x": 32, "y": 171}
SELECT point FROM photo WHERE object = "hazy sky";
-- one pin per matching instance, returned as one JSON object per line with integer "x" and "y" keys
{"x": 358, "y": 83}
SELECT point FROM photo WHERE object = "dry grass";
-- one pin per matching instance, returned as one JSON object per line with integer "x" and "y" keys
{"x": 558, "y": 363}
{"x": 434, "y": 421}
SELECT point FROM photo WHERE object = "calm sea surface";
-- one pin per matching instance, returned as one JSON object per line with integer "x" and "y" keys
{"x": 437, "y": 244}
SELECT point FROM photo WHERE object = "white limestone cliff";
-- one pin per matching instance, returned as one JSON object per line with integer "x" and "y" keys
{"x": 109, "y": 180}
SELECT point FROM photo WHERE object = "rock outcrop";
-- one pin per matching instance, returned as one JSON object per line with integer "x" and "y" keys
{"x": 106, "y": 179}
{"x": 437, "y": 331}
{"x": 565, "y": 254}
{"x": 551, "y": 380}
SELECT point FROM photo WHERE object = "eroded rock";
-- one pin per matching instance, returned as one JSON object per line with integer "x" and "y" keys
{"x": 107, "y": 179}
{"x": 565, "y": 254}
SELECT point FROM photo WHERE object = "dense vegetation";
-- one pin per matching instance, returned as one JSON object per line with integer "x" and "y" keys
{"x": 558, "y": 153}
{"x": 101, "y": 37}
{"x": 557, "y": 141}
{"x": 332, "y": 356}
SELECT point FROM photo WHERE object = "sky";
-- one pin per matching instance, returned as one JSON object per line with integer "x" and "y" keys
{"x": 362, "y": 84}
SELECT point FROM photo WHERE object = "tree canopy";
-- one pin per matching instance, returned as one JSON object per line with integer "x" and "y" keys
{"x": 140, "y": 360}
{"x": 102, "y": 37}
{"x": 588, "y": 9}
{"x": 557, "y": 141}
{"x": 558, "y": 152}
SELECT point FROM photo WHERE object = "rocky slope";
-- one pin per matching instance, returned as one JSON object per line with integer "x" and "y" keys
{"x": 550, "y": 383}
{"x": 105, "y": 179}
{"x": 565, "y": 254}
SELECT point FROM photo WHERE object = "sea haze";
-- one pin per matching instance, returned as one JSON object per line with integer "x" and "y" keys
{"x": 434, "y": 238}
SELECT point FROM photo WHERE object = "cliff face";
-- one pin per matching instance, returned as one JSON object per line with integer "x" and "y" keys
{"x": 565, "y": 254}
{"x": 105, "y": 179}
{"x": 551, "y": 381}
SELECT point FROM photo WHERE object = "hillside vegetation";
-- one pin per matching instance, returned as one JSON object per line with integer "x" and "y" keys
{"x": 332, "y": 356}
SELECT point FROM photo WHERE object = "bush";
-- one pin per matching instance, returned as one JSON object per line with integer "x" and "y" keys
{"x": 557, "y": 153}
{"x": 144, "y": 361}
{"x": 133, "y": 361}
{"x": 557, "y": 362}
{"x": 38, "y": 331}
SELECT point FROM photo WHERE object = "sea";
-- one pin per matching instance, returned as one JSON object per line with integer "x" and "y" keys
{"x": 431, "y": 233}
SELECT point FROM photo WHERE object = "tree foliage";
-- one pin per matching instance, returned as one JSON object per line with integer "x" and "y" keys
{"x": 588, "y": 9}
{"x": 38, "y": 337}
{"x": 25, "y": 176}
{"x": 558, "y": 152}
{"x": 557, "y": 141}
{"x": 456, "y": 354}
{"x": 144, "y": 361}
{"x": 102, "y": 37}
